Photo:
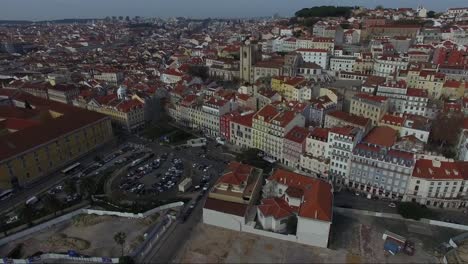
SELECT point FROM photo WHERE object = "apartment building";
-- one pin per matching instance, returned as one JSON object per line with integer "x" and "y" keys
{"x": 417, "y": 126}
{"x": 316, "y": 159}
{"x": 294, "y": 146}
{"x": 379, "y": 170}
{"x": 241, "y": 130}
{"x": 319, "y": 108}
{"x": 388, "y": 65}
{"x": 317, "y": 56}
{"x": 345, "y": 64}
{"x": 110, "y": 76}
{"x": 63, "y": 93}
{"x": 438, "y": 182}
{"x": 396, "y": 92}
{"x": 416, "y": 102}
{"x": 269, "y": 127}
{"x": 210, "y": 114}
{"x": 128, "y": 114}
{"x": 341, "y": 142}
{"x": 369, "y": 106}
{"x": 432, "y": 82}
{"x": 292, "y": 88}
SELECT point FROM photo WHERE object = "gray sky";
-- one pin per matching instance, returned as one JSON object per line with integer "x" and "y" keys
{"x": 56, "y": 9}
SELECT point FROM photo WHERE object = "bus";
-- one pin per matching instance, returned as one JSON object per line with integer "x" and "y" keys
{"x": 71, "y": 168}
{"x": 6, "y": 194}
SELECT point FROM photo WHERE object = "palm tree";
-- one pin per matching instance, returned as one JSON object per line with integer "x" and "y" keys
{"x": 119, "y": 238}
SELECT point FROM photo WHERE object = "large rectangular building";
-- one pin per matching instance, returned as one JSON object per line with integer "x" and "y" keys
{"x": 47, "y": 136}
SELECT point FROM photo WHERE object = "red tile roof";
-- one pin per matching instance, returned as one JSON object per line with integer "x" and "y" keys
{"x": 275, "y": 207}
{"x": 382, "y": 136}
{"x": 127, "y": 106}
{"x": 439, "y": 170}
{"x": 267, "y": 112}
{"x": 350, "y": 118}
{"x": 369, "y": 97}
{"x": 318, "y": 196}
{"x": 297, "y": 134}
{"x": 19, "y": 124}
{"x": 237, "y": 173}
{"x": 416, "y": 92}
{"x": 393, "y": 120}
{"x": 245, "y": 120}
{"x": 73, "y": 118}
{"x": 313, "y": 50}
{"x": 320, "y": 133}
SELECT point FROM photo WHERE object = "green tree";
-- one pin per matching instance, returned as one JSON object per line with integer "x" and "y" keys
{"x": 120, "y": 238}
{"x": 414, "y": 211}
{"x": 69, "y": 186}
{"x": 379, "y": 7}
{"x": 52, "y": 204}
{"x": 297, "y": 34}
{"x": 198, "y": 71}
{"x": 88, "y": 186}
{"x": 126, "y": 260}
{"x": 291, "y": 225}
{"x": 431, "y": 14}
{"x": 445, "y": 130}
{"x": 27, "y": 214}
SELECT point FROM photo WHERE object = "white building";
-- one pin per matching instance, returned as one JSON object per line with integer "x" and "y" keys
{"x": 341, "y": 141}
{"x": 241, "y": 130}
{"x": 418, "y": 126}
{"x": 317, "y": 56}
{"x": 387, "y": 65}
{"x": 338, "y": 64}
{"x": 288, "y": 194}
{"x": 316, "y": 159}
{"x": 439, "y": 182}
{"x": 211, "y": 112}
{"x": 416, "y": 102}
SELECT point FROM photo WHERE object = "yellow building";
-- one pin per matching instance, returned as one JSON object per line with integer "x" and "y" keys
{"x": 369, "y": 106}
{"x": 291, "y": 88}
{"x": 429, "y": 80}
{"x": 45, "y": 137}
{"x": 454, "y": 89}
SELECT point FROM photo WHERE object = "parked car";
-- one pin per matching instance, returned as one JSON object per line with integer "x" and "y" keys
{"x": 392, "y": 205}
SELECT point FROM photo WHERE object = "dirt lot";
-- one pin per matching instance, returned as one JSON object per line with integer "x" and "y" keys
{"x": 87, "y": 234}
{"x": 210, "y": 244}
{"x": 354, "y": 239}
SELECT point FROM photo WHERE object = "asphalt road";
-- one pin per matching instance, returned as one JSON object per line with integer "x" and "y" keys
{"x": 350, "y": 200}
{"x": 175, "y": 237}
{"x": 47, "y": 182}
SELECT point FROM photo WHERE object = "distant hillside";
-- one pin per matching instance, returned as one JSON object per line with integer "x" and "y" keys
{"x": 325, "y": 11}
{"x": 14, "y": 22}
{"x": 58, "y": 21}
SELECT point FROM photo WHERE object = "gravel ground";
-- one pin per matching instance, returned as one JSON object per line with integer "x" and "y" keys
{"x": 91, "y": 235}
{"x": 354, "y": 239}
